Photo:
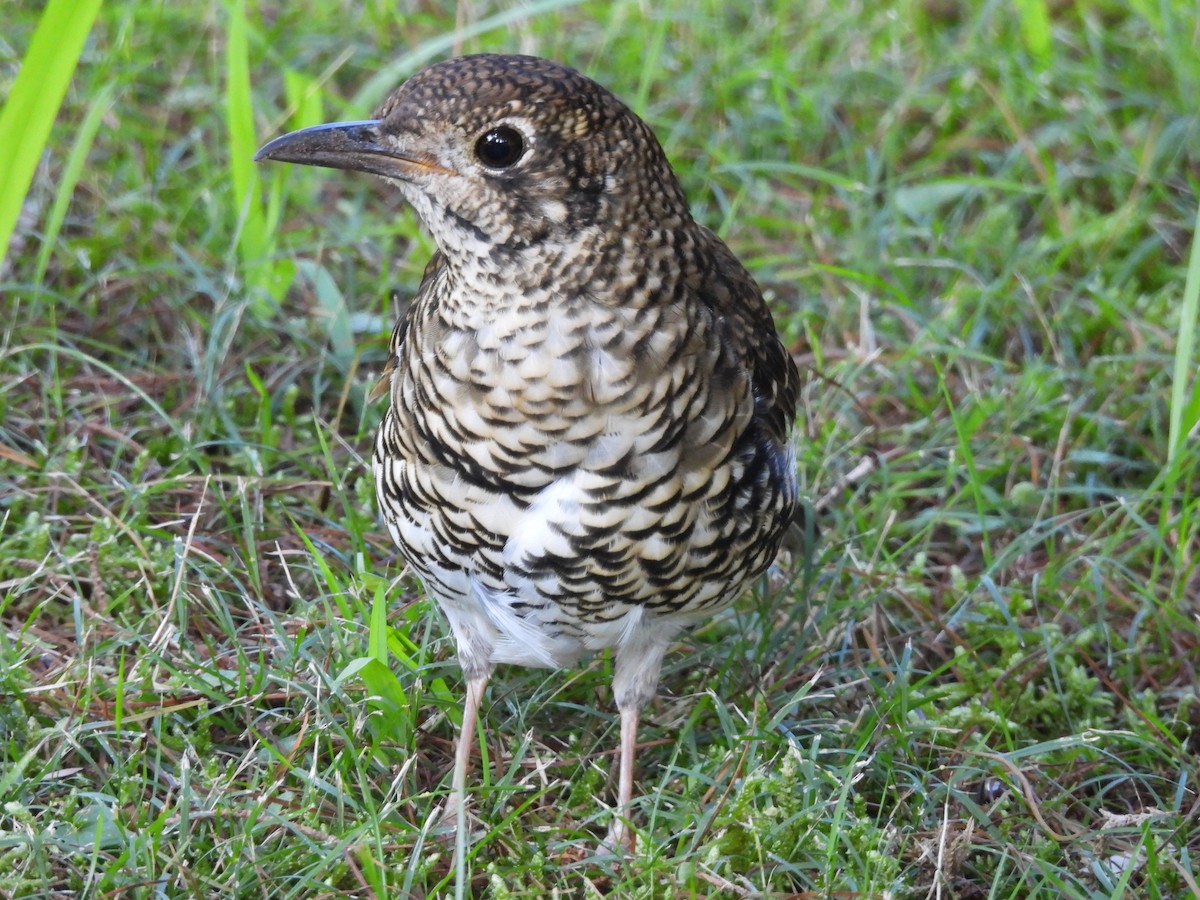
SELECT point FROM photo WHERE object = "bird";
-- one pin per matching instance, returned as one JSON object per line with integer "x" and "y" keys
{"x": 589, "y": 442}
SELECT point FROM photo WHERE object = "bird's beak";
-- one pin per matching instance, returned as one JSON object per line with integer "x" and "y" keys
{"x": 357, "y": 146}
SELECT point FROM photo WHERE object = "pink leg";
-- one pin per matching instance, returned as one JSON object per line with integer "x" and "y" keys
{"x": 635, "y": 678}
{"x": 621, "y": 838}
{"x": 456, "y": 805}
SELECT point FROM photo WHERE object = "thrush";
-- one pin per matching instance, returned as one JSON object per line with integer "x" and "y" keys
{"x": 588, "y": 442}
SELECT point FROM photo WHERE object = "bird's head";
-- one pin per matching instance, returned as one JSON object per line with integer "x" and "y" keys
{"x": 503, "y": 154}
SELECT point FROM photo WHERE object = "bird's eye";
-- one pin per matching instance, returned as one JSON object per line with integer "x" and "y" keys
{"x": 500, "y": 147}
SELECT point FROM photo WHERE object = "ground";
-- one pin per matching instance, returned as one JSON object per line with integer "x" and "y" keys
{"x": 974, "y": 226}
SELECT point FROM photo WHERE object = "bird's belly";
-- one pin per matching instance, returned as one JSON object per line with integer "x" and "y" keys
{"x": 456, "y": 545}
{"x": 543, "y": 578}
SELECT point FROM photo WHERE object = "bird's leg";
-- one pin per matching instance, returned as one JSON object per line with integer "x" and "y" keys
{"x": 635, "y": 681}
{"x": 455, "y": 812}
{"x": 621, "y": 838}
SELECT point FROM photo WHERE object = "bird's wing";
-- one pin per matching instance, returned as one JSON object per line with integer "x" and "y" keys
{"x": 730, "y": 291}
{"x": 396, "y": 344}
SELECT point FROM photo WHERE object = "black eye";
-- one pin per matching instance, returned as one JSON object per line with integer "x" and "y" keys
{"x": 500, "y": 147}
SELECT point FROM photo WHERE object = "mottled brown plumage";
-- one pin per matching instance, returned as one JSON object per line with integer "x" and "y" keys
{"x": 588, "y": 443}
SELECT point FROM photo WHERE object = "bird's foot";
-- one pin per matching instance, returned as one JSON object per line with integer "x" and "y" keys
{"x": 448, "y": 816}
{"x": 620, "y": 842}
{"x": 443, "y": 822}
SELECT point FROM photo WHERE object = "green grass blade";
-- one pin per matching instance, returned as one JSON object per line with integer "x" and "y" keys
{"x": 1035, "y": 29}
{"x": 239, "y": 117}
{"x": 1185, "y": 400}
{"x": 34, "y": 100}
{"x": 378, "y": 85}
{"x": 266, "y": 281}
{"x": 70, "y": 177}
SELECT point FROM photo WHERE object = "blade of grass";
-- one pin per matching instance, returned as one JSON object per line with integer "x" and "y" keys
{"x": 266, "y": 281}
{"x": 386, "y": 78}
{"x": 70, "y": 177}
{"x": 1035, "y": 30}
{"x": 305, "y": 106}
{"x": 333, "y": 310}
{"x": 1185, "y": 409}
{"x": 34, "y": 100}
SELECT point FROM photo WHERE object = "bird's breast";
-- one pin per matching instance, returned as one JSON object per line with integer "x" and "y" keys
{"x": 545, "y": 388}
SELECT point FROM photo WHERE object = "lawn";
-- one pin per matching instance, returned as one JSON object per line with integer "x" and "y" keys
{"x": 974, "y": 225}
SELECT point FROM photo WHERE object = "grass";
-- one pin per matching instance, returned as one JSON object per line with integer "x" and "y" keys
{"x": 975, "y": 227}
